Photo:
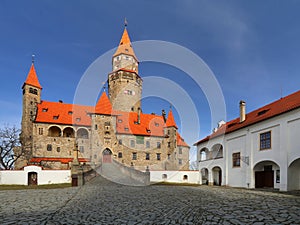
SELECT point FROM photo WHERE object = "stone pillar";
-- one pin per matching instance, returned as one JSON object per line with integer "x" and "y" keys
{"x": 76, "y": 169}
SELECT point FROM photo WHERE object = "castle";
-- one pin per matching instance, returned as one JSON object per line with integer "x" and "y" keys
{"x": 114, "y": 129}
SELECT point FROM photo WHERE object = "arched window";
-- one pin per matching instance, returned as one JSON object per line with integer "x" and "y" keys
{"x": 203, "y": 154}
{"x": 217, "y": 151}
{"x": 68, "y": 132}
{"x": 185, "y": 177}
{"x": 54, "y": 131}
{"x": 82, "y": 133}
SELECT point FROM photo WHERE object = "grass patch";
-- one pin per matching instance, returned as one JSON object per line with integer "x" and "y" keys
{"x": 24, "y": 187}
{"x": 176, "y": 184}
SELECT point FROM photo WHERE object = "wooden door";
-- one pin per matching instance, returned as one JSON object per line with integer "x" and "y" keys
{"x": 32, "y": 178}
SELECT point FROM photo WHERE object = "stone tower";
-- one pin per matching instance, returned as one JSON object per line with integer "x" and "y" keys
{"x": 31, "y": 97}
{"x": 124, "y": 82}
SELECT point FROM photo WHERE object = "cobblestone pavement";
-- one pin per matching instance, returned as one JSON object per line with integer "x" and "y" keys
{"x": 104, "y": 202}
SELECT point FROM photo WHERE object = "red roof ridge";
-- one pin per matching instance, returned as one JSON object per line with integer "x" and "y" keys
{"x": 278, "y": 107}
{"x": 32, "y": 78}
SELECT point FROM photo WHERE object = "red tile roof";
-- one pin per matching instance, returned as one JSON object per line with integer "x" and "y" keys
{"x": 150, "y": 125}
{"x": 32, "y": 78}
{"x": 273, "y": 109}
{"x": 180, "y": 141}
{"x": 125, "y": 46}
{"x": 103, "y": 105}
{"x": 52, "y": 159}
{"x": 62, "y": 113}
{"x": 170, "y": 121}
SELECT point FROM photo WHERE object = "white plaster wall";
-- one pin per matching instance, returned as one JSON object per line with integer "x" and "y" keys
{"x": 175, "y": 176}
{"x": 20, "y": 177}
{"x": 11, "y": 177}
{"x": 293, "y": 129}
{"x": 236, "y": 176}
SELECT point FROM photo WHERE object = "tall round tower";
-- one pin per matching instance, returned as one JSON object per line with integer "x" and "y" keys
{"x": 124, "y": 82}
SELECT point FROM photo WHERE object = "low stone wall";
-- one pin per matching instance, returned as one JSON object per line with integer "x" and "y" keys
{"x": 188, "y": 176}
{"x": 138, "y": 175}
{"x": 21, "y": 177}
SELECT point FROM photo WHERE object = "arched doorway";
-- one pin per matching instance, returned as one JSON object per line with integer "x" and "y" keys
{"x": 32, "y": 178}
{"x": 217, "y": 176}
{"x": 204, "y": 176}
{"x": 106, "y": 156}
{"x": 264, "y": 173}
{"x": 294, "y": 175}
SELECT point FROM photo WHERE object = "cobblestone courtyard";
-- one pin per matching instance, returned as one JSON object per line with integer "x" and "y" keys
{"x": 104, "y": 202}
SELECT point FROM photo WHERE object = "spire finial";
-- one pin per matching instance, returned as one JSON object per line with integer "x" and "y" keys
{"x": 125, "y": 22}
{"x": 32, "y": 58}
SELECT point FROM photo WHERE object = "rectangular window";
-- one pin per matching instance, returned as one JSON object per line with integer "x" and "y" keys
{"x": 58, "y": 149}
{"x": 169, "y": 144}
{"x": 147, "y": 144}
{"x": 132, "y": 143}
{"x": 96, "y": 127}
{"x": 120, "y": 155}
{"x": 180, "y": 161}
{"x": 120, "y": 141}
{"x": 169, "y": 156}
{"x": 236, "y": 159}
{"x": 180, "y": 150}
{"x": 41, "y": 131}
{"x": 158, "y": 156}
{"x": 81, "y": 149}
{"x": 265, "y": 140}
{"x": 134, "y": 156}
{"x": 147, "y": 156}
{"x": 140, "y": 139}
{"x": 158, "y": 145}
{"x": 49, "y": 147}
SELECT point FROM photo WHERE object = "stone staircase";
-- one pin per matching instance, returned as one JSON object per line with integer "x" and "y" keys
{"x": 119, "y": 173}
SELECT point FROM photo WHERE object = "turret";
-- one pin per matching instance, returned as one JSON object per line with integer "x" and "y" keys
{"x": 31, "y": 97}
{"x": 124, "y": 82}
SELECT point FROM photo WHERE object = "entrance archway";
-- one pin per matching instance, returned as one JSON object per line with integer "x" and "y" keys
{"x": 217, "y": 175}
{"x": 264, "y": 173}
{"x": 204, "y": 176}
{"x": 32, "y": 178}
{"x": 294, "y": 175}
{"x": 106, "y": 156}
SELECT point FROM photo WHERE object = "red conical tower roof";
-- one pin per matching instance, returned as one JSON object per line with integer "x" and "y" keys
{"x": 32, "y": 78}
{"x": 170, "y": 121}
{"x": 103, "y": 105}
{"x": 125, "y": 46}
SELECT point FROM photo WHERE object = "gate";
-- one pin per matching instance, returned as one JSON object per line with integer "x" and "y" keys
{"x": 106, "y": 156}
{"x": 32, "y": 178}
{"x": 264, "y": 179}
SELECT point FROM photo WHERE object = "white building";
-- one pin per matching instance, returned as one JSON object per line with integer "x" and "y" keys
{"x": 259, "y": 149}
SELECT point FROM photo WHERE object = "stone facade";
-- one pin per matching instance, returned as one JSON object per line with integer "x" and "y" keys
{"x": 116, "y": 125}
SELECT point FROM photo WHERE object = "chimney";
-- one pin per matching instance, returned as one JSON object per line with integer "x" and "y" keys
{"x": 163, "y": 113}
{"x": 242, "y": 111}
{"x": 139, "y": 116}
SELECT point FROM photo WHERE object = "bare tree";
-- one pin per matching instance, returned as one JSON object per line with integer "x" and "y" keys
{"x": 10, "y": 147}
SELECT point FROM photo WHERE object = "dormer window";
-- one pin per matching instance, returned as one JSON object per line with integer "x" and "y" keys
{"x": 126, "y": 50}
{"x": 44, "y": 109}
{"x": 78, "y": 119}
{"x": 55, "y": 117}
{"x": 126, "y": 129}
{"x": 156, "y": 124}
{"x": 120, "y": 121}
{"x": 70, "y": 113}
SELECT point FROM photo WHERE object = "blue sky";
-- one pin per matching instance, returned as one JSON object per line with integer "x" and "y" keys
{"x": 252, "y": 47}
